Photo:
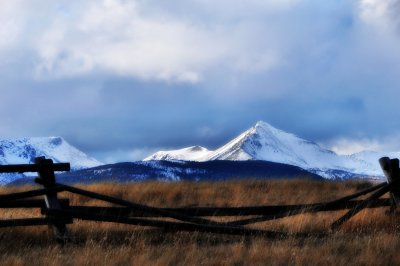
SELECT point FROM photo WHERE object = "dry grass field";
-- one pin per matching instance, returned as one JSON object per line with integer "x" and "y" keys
{"x": 369, "y": 238}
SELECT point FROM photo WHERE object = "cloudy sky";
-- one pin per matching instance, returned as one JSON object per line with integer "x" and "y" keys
{"x": 121, "y": 79}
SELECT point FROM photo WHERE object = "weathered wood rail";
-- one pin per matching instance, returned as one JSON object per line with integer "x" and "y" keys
{"x": 58, "y": 213}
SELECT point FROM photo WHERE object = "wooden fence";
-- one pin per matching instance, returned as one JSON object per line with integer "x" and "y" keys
{"x": 58, "y": 212}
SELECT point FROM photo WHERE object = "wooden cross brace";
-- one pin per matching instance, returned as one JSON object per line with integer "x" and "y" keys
{"x": 57, "y": 223}
{"x": 391, "y": 170}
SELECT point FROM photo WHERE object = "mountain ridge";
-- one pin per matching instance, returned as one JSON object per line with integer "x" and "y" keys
{"x": 175, "y": 171}
{"x": 265, "y": 142}
{"x": 25, "y": 150}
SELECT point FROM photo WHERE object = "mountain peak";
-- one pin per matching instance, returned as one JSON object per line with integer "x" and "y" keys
{"x": 265, "y": 127}
{"x": 263, "y": 124}
{"x": 267, "y": 143}
{"x": 193, "y": 153}
{"x": 24, "y": 150}
{"x": 197, "y": 148}
{"x": 53, "y": 141}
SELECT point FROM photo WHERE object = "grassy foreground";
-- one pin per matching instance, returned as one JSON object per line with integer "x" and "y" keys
{"x": 369, "y": 238}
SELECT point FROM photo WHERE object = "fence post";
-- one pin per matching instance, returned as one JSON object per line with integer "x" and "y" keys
{"x": 57, "y": 223}
{"x": 391, "y": 170}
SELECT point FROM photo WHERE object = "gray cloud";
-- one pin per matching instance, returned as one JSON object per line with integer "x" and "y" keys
{"x": 125, "y": 78}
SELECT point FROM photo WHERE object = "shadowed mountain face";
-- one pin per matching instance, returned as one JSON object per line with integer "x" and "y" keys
{"x": 264, "y": 142}
{"x": 181, "y": 171}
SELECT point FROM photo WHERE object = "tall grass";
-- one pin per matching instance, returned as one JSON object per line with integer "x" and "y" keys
{"x": 369, "y": 238}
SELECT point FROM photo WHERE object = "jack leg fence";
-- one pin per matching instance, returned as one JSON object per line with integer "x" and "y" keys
{"x": 57, "y": 213}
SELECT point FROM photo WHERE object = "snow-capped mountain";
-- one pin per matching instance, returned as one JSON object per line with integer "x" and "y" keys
{"x": 24, "y": 151}
{"x": 264, "y": 142}
{"x": 194, "y": 153}
{"x": 367, "y": 161}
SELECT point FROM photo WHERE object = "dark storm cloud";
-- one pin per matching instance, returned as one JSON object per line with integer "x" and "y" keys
{"x": 121, "y": 79}
{"x": 394, "y": 10}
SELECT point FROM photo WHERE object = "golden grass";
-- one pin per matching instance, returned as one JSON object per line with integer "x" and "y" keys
{"x": 369, "y": 238}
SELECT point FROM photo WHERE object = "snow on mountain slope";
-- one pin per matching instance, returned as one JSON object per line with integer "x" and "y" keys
{"x": 194, "y": 153}
{"x": 264, "y": 142}
{"x": 24, "y": 150}
{"x": 366, "y": 162}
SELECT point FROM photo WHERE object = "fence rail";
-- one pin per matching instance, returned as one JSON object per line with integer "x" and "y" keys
{"x": 58, "y": 212}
